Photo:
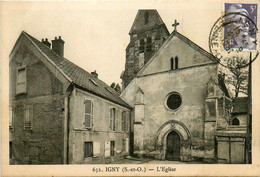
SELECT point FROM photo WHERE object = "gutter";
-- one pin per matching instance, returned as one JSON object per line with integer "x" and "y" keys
{"x": 67, "y": 133}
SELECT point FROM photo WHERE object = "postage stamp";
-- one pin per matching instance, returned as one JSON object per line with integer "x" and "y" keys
{"x": 235, "y": 34}
{"x": 240, "y": 26}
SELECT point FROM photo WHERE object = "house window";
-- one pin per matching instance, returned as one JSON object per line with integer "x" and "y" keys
{"x": 141, "y": 46}
{"x": 10, "y": 117}
{"x": 10, "y": 149}
{"x": 112, "y": 119}
{"x": 148, "y": 44}
{"x": 88, "y": 151}
{"x": 146, "y": 17}
{"x": 112, "y": 148}
{"x": 173, "y": 101}
{"x": 21, "y": 81}
{"x": 27, "y": 119}
{"x": 126, "y": 123}
{"x": 235, "y": 121}
{"x": 172, "y": 64}
{"x": 176, "y": 63}
{"x": 88, "y": 113}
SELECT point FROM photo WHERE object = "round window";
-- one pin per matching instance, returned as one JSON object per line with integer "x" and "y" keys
{"x": 173, "y": 101}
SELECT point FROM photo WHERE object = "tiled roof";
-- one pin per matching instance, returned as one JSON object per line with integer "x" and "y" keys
{"x": 240, "y": 105}
{"x": 139, "y": 22}
{"x": 81, "y": 78}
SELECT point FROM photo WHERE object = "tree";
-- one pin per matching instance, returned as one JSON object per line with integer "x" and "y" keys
{"x": 238, "y": 75}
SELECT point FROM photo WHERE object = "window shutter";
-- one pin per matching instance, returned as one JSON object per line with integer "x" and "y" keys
{"x": 110, "y": 118}
{"x": 114, "y": 121}
{"x": 117, "y": 122}
{"x": 127, "y": 145}
{"x": 107, "y": 149}
{"x": 21, "y": 81}
{"x": 88, "y": 113}
{"x": 96, "y": 149}
{"x": 123, "y": 121}
{"x": 127, "y": 123}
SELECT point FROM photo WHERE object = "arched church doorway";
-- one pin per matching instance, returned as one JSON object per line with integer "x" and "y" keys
{"x": 173, "y": 146}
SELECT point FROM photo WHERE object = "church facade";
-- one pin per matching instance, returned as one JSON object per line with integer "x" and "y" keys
{"x": 181, "y": 104}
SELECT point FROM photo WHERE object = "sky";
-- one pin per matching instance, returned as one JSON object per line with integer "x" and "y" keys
{"x": 96, "y": 32}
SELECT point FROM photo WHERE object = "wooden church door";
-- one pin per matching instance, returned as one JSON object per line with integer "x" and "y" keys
{"x": 173, "y": 146}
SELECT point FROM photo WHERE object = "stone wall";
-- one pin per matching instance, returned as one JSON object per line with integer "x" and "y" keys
{"x": 191, "y": 84}
{"x": 136, "y": 58}
{"x": 42, "y": 143}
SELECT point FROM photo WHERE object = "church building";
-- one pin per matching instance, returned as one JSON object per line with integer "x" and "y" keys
{"x": 179, "y": 97}
{"x": 147, "y": 34}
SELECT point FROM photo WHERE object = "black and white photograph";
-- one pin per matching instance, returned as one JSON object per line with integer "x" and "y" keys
{"x": 119, "y": 88}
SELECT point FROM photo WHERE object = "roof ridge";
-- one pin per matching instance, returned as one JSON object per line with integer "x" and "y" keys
{"x": 76, "y": 74}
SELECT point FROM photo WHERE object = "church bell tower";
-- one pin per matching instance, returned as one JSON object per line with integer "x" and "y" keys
{"x": 147, "y": 34}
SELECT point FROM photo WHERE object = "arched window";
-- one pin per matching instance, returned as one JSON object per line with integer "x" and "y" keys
{"x": 235, "y": 121}
{"x": 146, "y": 17}
{"x": 176, "y": 62}
{"x": 171, "y": 63}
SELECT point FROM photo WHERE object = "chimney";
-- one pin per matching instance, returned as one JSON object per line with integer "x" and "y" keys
{"x": 95, "y": 74}
{"x": 58, "y": 46}
{"x": 46, "y": 42}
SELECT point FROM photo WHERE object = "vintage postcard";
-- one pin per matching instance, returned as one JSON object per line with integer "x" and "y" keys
{"x": 129, "y": 88}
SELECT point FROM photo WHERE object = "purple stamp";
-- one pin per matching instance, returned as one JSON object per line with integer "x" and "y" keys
{"x": 234, "y": 35}
{"x": 239, "y": 29}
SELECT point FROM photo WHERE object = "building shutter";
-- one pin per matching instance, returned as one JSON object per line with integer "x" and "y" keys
{"x": 21, "y": 81}
{"x": 127, "y": 145}
{"x": 123, "y": 121}
{"x": 116, "y": 121}
{"x": 107, "y": 149}
{"x": 96, "y": 149}
{"x": 88, "y": 113}
{"x": 110, "y": 119}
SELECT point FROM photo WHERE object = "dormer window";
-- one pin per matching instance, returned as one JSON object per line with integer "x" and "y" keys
{"x": 108, "y": 90}
{"x": 93, "y": 82}
{"x": 146, "y": 17}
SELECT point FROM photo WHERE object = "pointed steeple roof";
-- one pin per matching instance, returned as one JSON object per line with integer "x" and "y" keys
{"x": 145, "y": 20}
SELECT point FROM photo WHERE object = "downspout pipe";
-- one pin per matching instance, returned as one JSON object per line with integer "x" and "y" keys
{"x": 68, "y": 96}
